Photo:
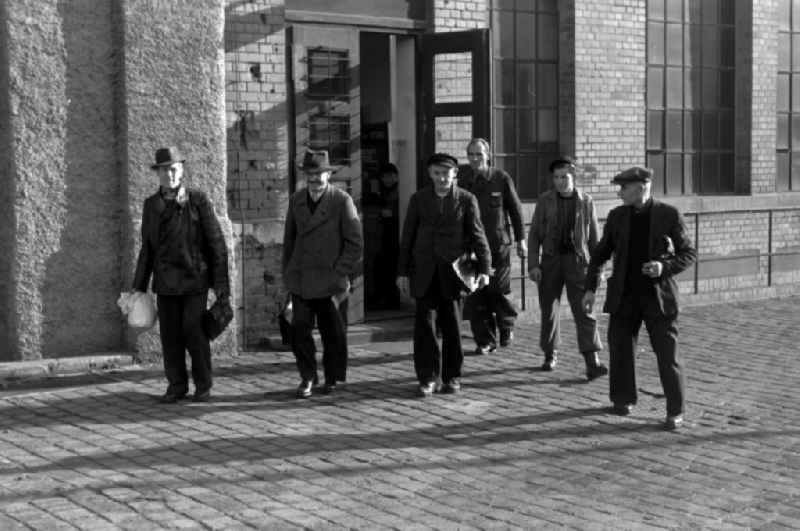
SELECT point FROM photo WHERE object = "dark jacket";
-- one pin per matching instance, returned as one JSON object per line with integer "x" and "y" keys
{"x": 321, "y": 250}
{"x": 499, "y": 204}
{"x": 182, "y": 247}
{"x": 665, "y": 221}
{"x": 546, "y": 234}
{"x": 431, "y": 241}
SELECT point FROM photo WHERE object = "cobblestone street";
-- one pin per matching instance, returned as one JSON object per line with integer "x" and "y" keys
{"x": 517, "y": 449}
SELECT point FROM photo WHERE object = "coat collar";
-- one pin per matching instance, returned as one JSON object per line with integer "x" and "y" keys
{"x": 306, "y": 219}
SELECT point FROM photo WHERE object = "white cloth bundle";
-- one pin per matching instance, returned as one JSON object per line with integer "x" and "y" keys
{"x": 139, "y": 307}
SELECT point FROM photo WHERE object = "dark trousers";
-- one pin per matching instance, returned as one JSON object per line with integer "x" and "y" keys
{"x": 490, "y": 308}
{"x": 431, "y": 363}
{"x": 559, "y": 271}
{"x": 181, "y": 326}
{"x": 623, "y": 334}
{"x": 334, "y": 339}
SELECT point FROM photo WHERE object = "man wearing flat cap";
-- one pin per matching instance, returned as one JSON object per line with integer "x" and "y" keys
{"x": 650, "y": 245}
{"x": 184, "y": 250}
{"x": 564, "y": 228}
{"x": 322, "y": 246}
{"x": 442, "y": 223}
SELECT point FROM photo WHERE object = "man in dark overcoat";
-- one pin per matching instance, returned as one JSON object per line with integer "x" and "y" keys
{"x": 650, "y": 245}
{"x": 490, "y": 310}
{"x": 442, "y": 224}
{"x": 322, "y": 247}
{"x": 184, "y": 250}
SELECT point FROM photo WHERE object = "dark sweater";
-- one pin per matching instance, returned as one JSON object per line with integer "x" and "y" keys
{"x": 637, "y": 283}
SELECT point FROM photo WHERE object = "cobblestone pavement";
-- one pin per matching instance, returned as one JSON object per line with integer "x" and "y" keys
{"x": 517, "y": 449}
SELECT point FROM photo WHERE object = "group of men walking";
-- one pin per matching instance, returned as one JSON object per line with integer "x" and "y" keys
{"x": 469, "y": 213}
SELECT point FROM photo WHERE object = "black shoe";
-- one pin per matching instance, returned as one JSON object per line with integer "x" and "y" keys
{"x": 427, "y": 389}
{"x": 483, "y": 350}
{"x": 506, "y": 337}
{"x": 594, "y": 369}
{"x": 171, "y": 397}
{"x": 453, "y": 386}
{"x": 328, "y": 388}
{"x": 673, "y": 422}
{"x": 550, "y": 361}
{"x": 304, "y": 389}
{"x": 621, "y": 409}
{"x": 201, "y": 396}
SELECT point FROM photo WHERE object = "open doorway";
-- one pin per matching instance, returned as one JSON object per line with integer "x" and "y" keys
{"x": 388, "y": 157}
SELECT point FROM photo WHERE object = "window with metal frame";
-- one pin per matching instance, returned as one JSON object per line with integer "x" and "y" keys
{"x": 690, "y": 96}
{"x": 788, "y": 98}
{"x": 328, "y": 97}
{"x": 525, "y": 91}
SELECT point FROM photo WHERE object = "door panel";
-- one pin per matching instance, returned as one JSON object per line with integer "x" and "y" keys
{"x": 324, "y": 80}
{"x": 455, "y": 100}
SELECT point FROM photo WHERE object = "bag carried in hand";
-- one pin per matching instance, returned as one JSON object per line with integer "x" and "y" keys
{"x": 139, "y": 307}
{"x": 217, "y": 318}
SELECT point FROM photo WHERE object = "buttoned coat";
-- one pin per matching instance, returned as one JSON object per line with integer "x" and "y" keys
{"x": 668, "y": 243}
{"x": 186, "y": 255}
{"x": 431, "y": 240}
{"x": 321, "y": 250}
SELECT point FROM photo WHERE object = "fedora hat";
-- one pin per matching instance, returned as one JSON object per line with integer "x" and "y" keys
{"x": 316, "y": 161}
{"x": 167, "y": 156}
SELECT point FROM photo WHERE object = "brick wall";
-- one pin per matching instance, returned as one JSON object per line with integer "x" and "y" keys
{"x": 764, "y": 78}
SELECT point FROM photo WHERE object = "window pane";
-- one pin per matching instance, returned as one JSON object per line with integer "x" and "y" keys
{"x": 709, "y": 8}
{"x": 548, "y": 130}
{"x": 691, "y": 131}
{"x": 674, "y": 10}
{"x": 655, "y": 43}
{"x": 673, "y": 175}
{"x": 710, "y": 173}
{"x": 693, "y": 11}
{"x": 726, "y": 130}
{"x": 453, "y": 133}
{"x": 710, "y": 89}
{"x": 674, "y": 130}
{"x": 783, "y": 131}
{"x": 783, "y": 92}
{"x": 796, "y": 49}
{"x": 452, "y": 77}
{"x": 526, "y": 36}
{"x": 504, "y": 4}
{"x": 527, "y": 129}
{"x": 528, "y": 179}
{"x": 689, "y": 171}
{"x": 526, "y": 85}
{"x": 655, "y": 87}
{"x": 548, "y": 37}
{"x": 674, "y": 44}
{"x": 710, "y": 130}
{"x": 691, "y": 91}
{"x": 691, "y": 47}
{"x": 503, "y": 31}
{"x": 796, "y": 92}
{"x": 727, "y": 175}
{"x": 727, "y": 11}
{"x": 674, "y": 88}
{"x": 795, "y": 132}
{"x": 784, "y": 47}
{"x": 726, "y": 88}
{"x": 655, "y": 161}
{"x": 796, "y": 9}
{"x": 655, "y": 130}
{"x": 782, "y": 163}
{"x": 505, "y": 139}
{"x": 548, "y": 83}
{"x": 795, "y": 173}
{"x": 784, "y": 13}
{"x": 727, "y": 48}
{"x": 655, "y": 9}
{"x": 504, "y": 81}
{"x": 710, "y": 46}
{"x": 548, "y": 6}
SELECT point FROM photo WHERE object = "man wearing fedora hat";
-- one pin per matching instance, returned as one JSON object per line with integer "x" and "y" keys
{"x": 322, "y": 247}
{"x": 442, "y": 223}
{"x": 564, "y": 229}
{"x": 650, "y": 245}
{"x": 184, "y": 250}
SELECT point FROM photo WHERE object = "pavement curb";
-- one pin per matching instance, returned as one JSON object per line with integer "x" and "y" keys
{"x": 17, "y": 370}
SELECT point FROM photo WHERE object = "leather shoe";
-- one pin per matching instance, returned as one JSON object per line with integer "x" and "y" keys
{"x": 304, "y": 389}
{"x": 170, "y": 398}
{"x": 621, "y": 409}
{"x": 594, "y": 369}
{"x": 483, "y": 350}
{"x": 201, "y": 396}
{"x": 328, "y": 388}
{"x": 427, "y": 389}
{"x": 673, "y": 422}
{"x": 506, "y": 337}
{"x": 550, "y": 361}
{"x": 452, "y": 386}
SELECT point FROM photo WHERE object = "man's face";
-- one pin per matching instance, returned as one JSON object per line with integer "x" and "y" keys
{"x": 171, "y": 176}
{"x": 632, "y": 193}
{"x": 389, "y": 179}
{"x": 564, "y": 180}
{"x": 442, "y": 177}
{"x": 317, "y": 181}
{"x": 477, "y": 156}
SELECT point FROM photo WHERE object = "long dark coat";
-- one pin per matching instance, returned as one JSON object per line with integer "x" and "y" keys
{"x": 432, "y": 240}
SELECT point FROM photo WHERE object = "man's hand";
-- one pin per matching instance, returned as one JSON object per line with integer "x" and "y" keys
{"x": 402, "y": 285}
{"x": 483, "y": 280}
{"x": 522, "y": 248}
{"x": 535, "y": 274}
{"x": 652, "y": 269}
{"x": 588, "y": 301}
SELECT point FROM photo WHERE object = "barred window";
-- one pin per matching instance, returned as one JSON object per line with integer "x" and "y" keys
{"x": 788, "y": 97}
{"x": 525, "y": 92}
{"x": 328, "y": 96}
{"x": 690, "y": 96}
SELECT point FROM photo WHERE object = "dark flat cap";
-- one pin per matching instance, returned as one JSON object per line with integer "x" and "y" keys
{"x": 561, "y": 161}
{"x": 442, "y": 159}
{"x": 632, "y": 175}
